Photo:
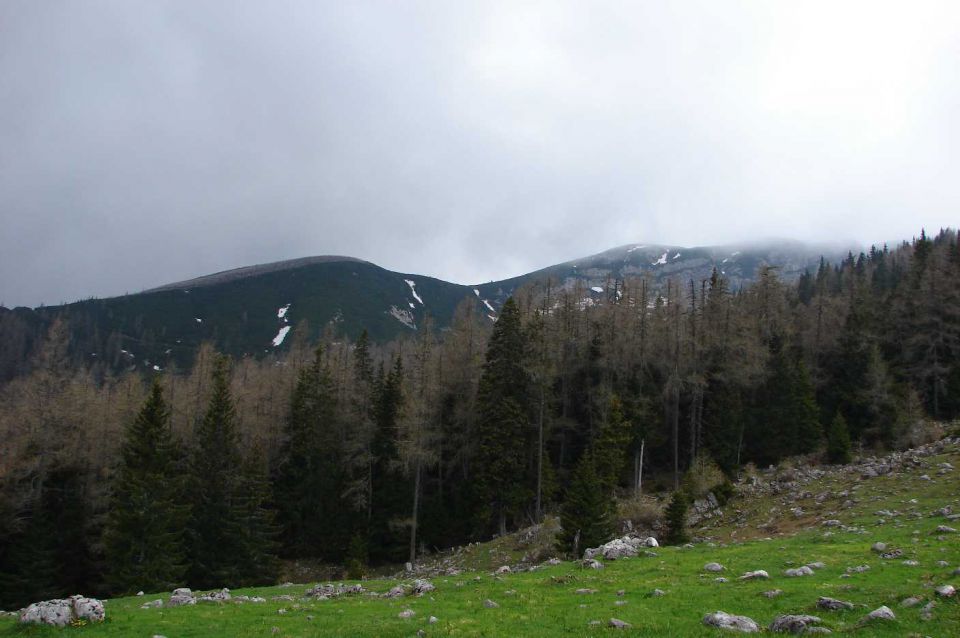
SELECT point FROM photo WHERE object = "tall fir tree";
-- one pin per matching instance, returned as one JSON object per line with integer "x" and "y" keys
{"x": 610, "y": 445}
{"x": 786, "y": 419}
{"x": 213, "y": 530}
{"x": 143, "y": 537}
{"x": 838, "y": 441}
{"x": 503, "y": 422}
{"x": 387, "y": 540}
{"x": 311, "y": 474}
{"x": 588, "y": 512}
{"x": 257, "y": 562}
{"x": 677, "y": 518}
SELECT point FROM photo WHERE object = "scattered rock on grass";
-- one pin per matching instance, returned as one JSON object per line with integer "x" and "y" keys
{"x": 723, "y": 620}
{"x": 755, "y": 575}
{"x": 63, "y": 611}
{"x": 773, "y": 593}
{"x": 832, "y": 604}
{"x": 793, "y": 624}
{"x": 489, "y": 604}
{"x": 181, "y": 596}
{"x": 421, "y": 587}
{"x": 616, "y": 623}
{"x": 407, "y": 613}
{"x": 713, "y": 567}
{"x": 799, "y": 571}
{"x": 946, "y": 591}
{"x": 881, "y": 613}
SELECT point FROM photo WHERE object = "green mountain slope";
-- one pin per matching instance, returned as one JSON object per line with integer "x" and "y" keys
{"x": 238, "y": 310}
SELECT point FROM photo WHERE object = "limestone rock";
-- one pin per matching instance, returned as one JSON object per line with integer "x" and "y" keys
{"x": 799, "y": 571}
{"x": 62, "y": 611}
{"x": 723, "y": 620}
{"x": 793, "y": 624}
{"x": 181, "y": 596}
{"x": 946, "y": 591}
{"x": 881, "y": 613}
{"x": 421, "y": 587}
{"x": 832, "y": 604}
{"x": 215, "y": 596}
{"x": 755, "y": 575}
{"x": 713, "y": 567}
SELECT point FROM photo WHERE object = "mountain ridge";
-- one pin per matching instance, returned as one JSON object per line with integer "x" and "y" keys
{"x": 251, "y": 310}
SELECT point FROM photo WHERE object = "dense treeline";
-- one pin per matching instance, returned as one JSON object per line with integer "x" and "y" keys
{"x": 361, "y": 453}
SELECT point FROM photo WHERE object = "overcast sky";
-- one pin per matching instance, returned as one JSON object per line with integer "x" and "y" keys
{"x": 143, "y": 142}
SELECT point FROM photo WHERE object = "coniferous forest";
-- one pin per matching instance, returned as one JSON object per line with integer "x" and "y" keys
{"x": 362, "y": 454}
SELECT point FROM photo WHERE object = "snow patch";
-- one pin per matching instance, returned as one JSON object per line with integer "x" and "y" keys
{"x": 489, "y": 307}
{"x": 157, "y": 368}
{"x": 596, "y": 289}
{"x": 677, "y": 255}
{"x": 725, "y": 259}
{"x": 661, "y": 261}
{"x": 413, "y": 290}
{"x": 281, "y": 336}
{"x": 404, "y": 316}
{"x": 282, "y": 312}
{"x": 198, "y": 319}
{"x": 410, "y": 303}
{"x": 476, "y": 292}
{"x": 633, "y": 248}
{"x": 491, "y": 318}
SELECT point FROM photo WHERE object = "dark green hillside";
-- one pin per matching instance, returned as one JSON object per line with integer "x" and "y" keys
{"x": 238, "y": 308}
{"x": 241, "y": 316}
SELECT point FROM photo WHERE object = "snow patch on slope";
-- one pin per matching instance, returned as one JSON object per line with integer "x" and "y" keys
{"x": 403, "y": 316}
{"x": 413, "y": 290}
{"x": 661, "y": 261}
{"x": 281, "y": 336}
{"x": 596, "y": 289}
{"x": 282, "y": 312}
{"x": 489, "y": 307}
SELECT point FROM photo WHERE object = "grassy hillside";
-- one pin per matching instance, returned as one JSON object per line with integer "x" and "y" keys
{"x": 756, "y": 532}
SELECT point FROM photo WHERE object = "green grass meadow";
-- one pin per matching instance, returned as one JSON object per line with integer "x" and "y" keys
{"x": 544, "y": 602}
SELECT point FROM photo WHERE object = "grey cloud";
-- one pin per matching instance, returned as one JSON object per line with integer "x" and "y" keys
{"x": 147, "y": 142}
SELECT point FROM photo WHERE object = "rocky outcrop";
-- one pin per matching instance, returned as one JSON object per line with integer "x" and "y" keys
{"x": 625, "y": 547}
{"x": 730, "y": 622}
{"x": 63, "y": 611}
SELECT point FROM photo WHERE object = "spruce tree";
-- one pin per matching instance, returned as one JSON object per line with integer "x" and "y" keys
{"x": 143, "y": 537}
{"x": 677, "y": 518}
{"x": 214, "y": 537}
{"x": 588, "y": 511}
{"x": 786, "y": 418}
{"x": 610, "y": 446}
{"x": 838, "y": 441}
{"x": 310, "y": 476}
{"x": 504, "y": 421}
{"x": 386, "y": 540}
{"x": 257, "y": 563}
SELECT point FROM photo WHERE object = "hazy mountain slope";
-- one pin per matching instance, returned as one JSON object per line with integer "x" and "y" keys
{"x": 240, "y": 310}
